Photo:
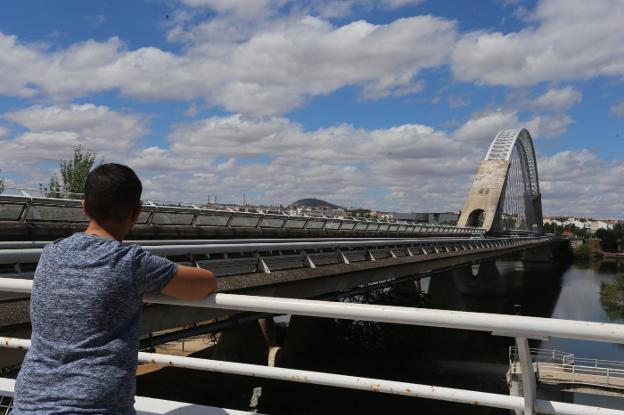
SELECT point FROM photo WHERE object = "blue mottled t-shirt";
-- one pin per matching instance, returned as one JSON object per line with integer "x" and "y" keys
{"x": 85, "y": 308}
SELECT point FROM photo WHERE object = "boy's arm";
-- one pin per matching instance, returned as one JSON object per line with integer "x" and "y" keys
{"x": 191, "y": 283}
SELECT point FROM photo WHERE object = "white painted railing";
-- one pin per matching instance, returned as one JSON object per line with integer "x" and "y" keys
{"x": 519, "y": 327}
{"x": 142, "y": 405}
{"x": 26, "y": 208}
{"x": 561, "y": 367}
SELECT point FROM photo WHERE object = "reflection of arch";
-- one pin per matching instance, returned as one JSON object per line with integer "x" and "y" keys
{"x": 506, "y": 187}
{"x": 476, "y": 218}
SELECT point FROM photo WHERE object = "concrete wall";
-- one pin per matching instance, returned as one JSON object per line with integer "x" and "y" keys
{"x": 485, "y": 193}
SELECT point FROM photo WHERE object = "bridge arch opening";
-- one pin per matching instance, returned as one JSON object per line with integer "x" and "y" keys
{"x": 476, "y": 218}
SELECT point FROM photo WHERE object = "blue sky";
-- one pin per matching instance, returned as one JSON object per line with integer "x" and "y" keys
{"x": 385, "y": 104}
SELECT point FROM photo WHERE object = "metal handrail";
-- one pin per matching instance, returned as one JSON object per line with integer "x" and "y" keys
{"x": 555, "y": 356}
{"x": 143, "y": 242}
{"x": 457, "y": 395}
{"x": 152, "y": 208}
{"x": 519, "y": 327}
{"x": 31, "y": 255}
{"x": 510, "y": 326}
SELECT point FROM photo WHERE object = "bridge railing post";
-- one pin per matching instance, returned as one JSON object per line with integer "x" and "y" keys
{"x": 528, "y": 375}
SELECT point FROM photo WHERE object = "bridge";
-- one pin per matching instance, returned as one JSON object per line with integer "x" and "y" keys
{"x": 272, "y": 263}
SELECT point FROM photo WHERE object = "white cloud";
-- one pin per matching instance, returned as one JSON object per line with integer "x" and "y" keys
{"x": 570, "y": 39}
{"x": 274, "y": 70}
{"x": 17, "y": 67}
{"x": 395, "y": 4}
{"x": 4, "y": 131}
{"x": 456, "y": 101}
{"x": 275, "y": 160}
{"x": 617, "y": 110}
{"x": 240, "y": 8}
{"x": 482, "y": 128}
{"x": 557, "y": 100}
{"x": 580, "y": 182}
{"x": 548, "y": 126}
{"x": 409, "y": 167}
{"x": 52, "y": 132}
{"x": 96, "y": 21}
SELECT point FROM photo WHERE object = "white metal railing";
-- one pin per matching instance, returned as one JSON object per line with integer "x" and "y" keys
{"x": 519, "y": 327}
{"x": 265, "y": 256}
{"x": 553, "y": 366}
{"x": 26, "y": 208}
{"x": 142, "y": 405}
{"x": 558, "y": 356}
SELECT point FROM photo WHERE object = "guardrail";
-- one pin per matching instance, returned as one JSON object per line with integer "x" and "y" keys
{"x": 250, "y": 257}
{"x": 519, "y": 327}
{"x": 28, "y": 209}
{"x": 142, "y": 405}
{"x": 565, "y": 358}
{"x": 553, "y": 366}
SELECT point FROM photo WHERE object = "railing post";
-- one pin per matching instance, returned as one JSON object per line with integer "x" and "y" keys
{"x": 528, "y": 375}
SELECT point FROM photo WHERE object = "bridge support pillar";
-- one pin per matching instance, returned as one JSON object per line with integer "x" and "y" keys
{"x": 409, "y": 288}
{"x": 246, "y": 344}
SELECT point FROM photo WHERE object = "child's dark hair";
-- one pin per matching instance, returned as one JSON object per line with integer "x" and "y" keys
{"x": 112, "y": 192}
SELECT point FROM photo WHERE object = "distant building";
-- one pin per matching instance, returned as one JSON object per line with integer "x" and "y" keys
{"x": 443, "y": 218}
{"x": 600, "y": 225}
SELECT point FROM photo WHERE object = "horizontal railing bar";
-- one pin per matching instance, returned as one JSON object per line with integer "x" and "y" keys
{"x": 560, "y": 355}
{"x": 195, "y": 210}
{"x": 415, "y": 390}
{"x": 8, "y": 256}
{"x": 504, "y": 325}
{"x": 148, "y": 406}
{"x": 583, "y": 369}
{"x": 143, "y": 242}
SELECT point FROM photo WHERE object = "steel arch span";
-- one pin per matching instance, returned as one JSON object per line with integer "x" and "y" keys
{"x": 505, "y": 195}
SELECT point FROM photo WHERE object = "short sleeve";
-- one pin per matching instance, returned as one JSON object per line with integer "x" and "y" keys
{"x": 152, "y": 272}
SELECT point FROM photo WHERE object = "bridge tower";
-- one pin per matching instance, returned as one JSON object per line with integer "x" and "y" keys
{"x": 505, "y": 195}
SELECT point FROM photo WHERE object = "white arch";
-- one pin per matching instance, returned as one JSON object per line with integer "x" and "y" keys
{"x": 510, "y": 161}
{"x": 503, "y": 146}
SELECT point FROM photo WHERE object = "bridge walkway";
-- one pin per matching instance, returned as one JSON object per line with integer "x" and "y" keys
{"x": 560, "y": 368}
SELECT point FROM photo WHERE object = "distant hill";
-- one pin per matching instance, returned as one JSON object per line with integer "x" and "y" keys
{"x": 315, "y": 203}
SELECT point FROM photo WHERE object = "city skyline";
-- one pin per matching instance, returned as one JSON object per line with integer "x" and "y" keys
{"x": 386, "y": 105}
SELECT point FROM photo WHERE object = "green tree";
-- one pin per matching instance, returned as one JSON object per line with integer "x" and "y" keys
{"x": 552, "y": 227}
{"x": 1, "y": 184}
{"x": 73, "y": 175}
{"x": 583, "y": 251}
{"x": 608, "y": 240}
{"x": 612, "y": 298}
{"x": 52, "y": 189}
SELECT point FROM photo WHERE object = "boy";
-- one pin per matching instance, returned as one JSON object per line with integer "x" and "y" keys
{"x": 86, "y": 303}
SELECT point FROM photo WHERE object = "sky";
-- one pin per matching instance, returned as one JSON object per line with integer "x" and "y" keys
{"x": 382, "y": 104}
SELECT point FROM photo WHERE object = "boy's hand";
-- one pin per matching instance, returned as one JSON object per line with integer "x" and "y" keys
{"x": 191, "y": 283}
